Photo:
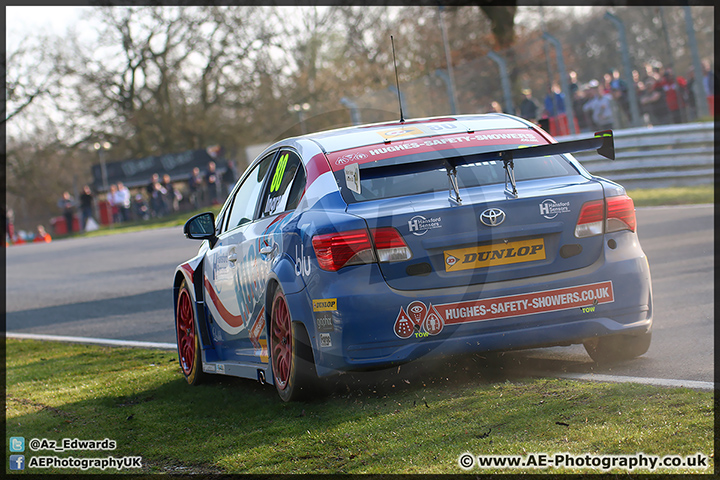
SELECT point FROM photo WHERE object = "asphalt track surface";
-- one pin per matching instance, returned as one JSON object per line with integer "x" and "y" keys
{"x": 118, "y": 287}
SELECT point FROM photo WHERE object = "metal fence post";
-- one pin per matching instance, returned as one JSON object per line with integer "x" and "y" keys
{"x": 627, "y": 74}
{"x": 505, "y": 81}
{"x": 569, "y": 111}
{"x": 701, "y": 104}
{"x": 354, "y": 110}
{"x": 448, "y": 60}
{"x": 443, "y": 75}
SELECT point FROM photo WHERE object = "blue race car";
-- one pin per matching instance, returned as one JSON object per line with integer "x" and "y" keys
{"x": 375, "y": 245}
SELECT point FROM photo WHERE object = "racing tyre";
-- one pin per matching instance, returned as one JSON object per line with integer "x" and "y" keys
{"x": 293, "y": 366}
{"x": 616, "y": 348}
{"x": 188, "y": 341}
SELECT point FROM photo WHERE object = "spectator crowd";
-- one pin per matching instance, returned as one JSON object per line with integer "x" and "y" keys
{"x": 162, "y": 196}
{"x": 664, "y": 98}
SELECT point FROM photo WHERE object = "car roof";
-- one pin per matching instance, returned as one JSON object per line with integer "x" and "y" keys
{"x": 380, "y": 133}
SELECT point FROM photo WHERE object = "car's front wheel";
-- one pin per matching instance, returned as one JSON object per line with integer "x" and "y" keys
{"x": 188, "y": 342}
{"x": 616, "y": 348}
{"x": 291, "y": 353}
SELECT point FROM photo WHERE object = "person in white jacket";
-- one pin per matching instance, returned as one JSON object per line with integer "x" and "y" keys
{"x": 600, "y": 107}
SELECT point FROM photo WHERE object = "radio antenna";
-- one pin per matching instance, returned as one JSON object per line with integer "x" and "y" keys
{"x": 397, "y": 82}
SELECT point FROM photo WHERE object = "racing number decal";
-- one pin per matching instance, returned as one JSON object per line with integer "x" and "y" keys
{"x": 279, "y": 173}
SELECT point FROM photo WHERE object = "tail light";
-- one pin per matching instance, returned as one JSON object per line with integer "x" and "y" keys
{"x": 590, "y": 221}
{"x": 390, "y": 245}
{"x": 337, "y": 250}
{"x": 613, "y": 214}
{"x": 620, "y": 214}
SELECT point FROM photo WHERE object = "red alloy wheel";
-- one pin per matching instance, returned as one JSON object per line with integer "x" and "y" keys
{"x": 186, "y": 331}
{"x": 281, "y": 341}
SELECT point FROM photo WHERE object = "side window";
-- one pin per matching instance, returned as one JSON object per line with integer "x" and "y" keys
{"x": 219, "y": 222}
{"x": 242, "y": 209}
{"x": 285, "y": 185}
{"x": 297, "y": 189}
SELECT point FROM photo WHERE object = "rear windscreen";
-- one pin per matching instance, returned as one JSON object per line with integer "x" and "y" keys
{"x": 470, "y": 175}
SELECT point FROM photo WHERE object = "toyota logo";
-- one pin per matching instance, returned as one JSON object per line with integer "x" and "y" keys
{"x": 492, "y": 217}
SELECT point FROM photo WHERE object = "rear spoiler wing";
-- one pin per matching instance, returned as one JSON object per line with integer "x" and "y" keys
{"x": 601, "y": 141}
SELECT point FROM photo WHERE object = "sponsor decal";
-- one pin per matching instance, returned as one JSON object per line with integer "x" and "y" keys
{"x": 221, "y": 368}
{"x": 550, "y": 209}
{"x": 262, "y": 352}
{"x": 258, "y": 328}
{"x": 325, "y": 305}
{"x": 494, "y": 255}
{"x": 450, "y": 260}
{"x": 256, "y": 331}
{"x": 420, "y": 321}
{"x": 417, "y": 311}
{"x": 502, "y": 138}
{"x": 234, "y": 294}
{"x": 419, "y": 225}
{"x": 350, "y": 158}
{"x": 209, "y": 367}
{"x": 586, "y": 297}
{"x": 352, "y": 177}
{"x": 403, "y": 325}
{"x": 324, "y": 322}
{"x": 434, "y": 323}
{"x": 400, "y": 132}
{"x": 231, "y": 323}
{"x": 325, "y": 340}
{"x": 302, "y": 262}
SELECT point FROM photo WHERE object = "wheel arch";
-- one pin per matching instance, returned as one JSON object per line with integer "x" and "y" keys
{"x": 273, "y": 285}
{"x": 179, "y": 277}
{"x": 193, "y": 278}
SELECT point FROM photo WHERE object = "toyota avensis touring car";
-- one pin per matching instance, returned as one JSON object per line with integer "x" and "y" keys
{"x": 375, "y": 245}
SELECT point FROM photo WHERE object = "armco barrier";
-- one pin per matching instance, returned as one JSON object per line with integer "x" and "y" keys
{"x": 655, "y": 157}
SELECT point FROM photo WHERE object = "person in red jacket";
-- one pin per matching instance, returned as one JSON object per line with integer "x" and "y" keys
{"x": 41, "y": 235}
{"x": 674, "y": 88}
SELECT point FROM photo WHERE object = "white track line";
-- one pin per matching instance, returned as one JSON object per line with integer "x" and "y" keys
{"x": 93, "y": 341}
{"x": 594, "y": 377}
{"x": 659, "y": 382}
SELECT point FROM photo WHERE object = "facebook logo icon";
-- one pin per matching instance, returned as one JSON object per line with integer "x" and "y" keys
{"x": 17, "y": 462}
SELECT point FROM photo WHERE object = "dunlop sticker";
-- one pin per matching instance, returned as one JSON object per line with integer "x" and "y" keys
{"x": 325, "y": 305}
{"x": 400, "y": 132}
{"x": 493, "y": 255}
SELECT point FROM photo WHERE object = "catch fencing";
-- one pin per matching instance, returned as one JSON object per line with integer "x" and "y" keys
{"x": 656, "y": 157}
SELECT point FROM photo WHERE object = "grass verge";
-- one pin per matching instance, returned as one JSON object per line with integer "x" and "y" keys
{"x": 404, "y": 423}
{"x": 652, "y": 197}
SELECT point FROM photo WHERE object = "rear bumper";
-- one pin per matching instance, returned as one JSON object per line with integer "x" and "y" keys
{"x": 367, "y": 326}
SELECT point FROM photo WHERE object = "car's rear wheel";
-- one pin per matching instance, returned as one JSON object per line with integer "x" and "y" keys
{"x": 291, "y": 354}
{"x": 188, "y": 341}
{"x": 616, "y": 348}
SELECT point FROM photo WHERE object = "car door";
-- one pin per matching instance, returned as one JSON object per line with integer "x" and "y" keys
{"x": 266, "y": 238}
{"x": 281, "y": 197}
{"x": 231, "y": 272}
